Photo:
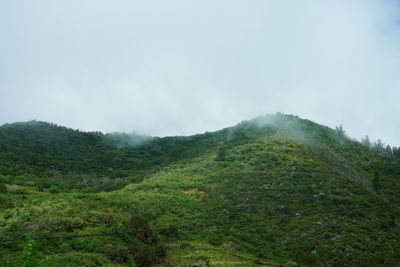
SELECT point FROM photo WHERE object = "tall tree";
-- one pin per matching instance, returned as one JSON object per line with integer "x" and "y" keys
{"x": 340, "y": 131}
{"x": 365, "y": 141}
{"x": 221, "y": 152}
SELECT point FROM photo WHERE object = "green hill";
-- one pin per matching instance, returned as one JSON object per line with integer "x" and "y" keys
{"x": 275, "y": 190}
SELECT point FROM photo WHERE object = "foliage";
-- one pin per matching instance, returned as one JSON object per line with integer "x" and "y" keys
{"x": 29, "y": 255}
{"x": 220, "y": 152}
{"x": 56, "y": 181}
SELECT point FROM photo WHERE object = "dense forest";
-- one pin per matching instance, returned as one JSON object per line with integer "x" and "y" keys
{"x": 276, "y": 190}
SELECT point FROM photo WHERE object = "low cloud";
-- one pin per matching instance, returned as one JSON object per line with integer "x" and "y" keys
{"x": 184, "y": 67}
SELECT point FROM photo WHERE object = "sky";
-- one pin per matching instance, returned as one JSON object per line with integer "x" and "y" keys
{"x": 180, "y": 67}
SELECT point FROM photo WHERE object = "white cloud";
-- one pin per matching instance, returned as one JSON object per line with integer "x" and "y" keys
{"x": 182, "y": 67}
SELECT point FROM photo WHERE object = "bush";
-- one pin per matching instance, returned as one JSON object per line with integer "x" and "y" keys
{"x": 75, "y": 259}
{"x": 29, "y": 255}
{"x": 3, "y": 188}
{"x": 118, "y": 255}
{"x": 54, "y": 190}
{"x": 15, "y": 189}
{"x": 145, "y": 255}
{"x": 7, "y": 204}
{"x": 144, "y": 245}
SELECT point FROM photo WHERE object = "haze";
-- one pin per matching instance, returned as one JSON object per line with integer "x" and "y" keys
{"x": 184, "y": 67}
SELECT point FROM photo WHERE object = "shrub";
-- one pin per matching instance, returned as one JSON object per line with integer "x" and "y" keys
{"x": 75, "y": 259}
{"x": 29, "y": 255}
{"x": 3, "y": 188}
{"x": 144, "y": 245}
{"x": 118, "y": 255}
{"x": 144, "y": 255}
{"x": 54, "y": 190}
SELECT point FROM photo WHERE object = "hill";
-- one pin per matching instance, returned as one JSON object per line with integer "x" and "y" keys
{"x": 275, "y": 190}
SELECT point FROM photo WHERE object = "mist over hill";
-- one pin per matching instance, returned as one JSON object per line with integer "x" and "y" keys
{"x": 129, "y": 133}
{"x": 247, "y": 186}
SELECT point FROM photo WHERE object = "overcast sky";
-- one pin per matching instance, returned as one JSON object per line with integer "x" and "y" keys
{"x": 182, "y": 67}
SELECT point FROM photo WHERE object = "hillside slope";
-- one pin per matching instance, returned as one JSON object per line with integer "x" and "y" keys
{"x": 231, "y": 198}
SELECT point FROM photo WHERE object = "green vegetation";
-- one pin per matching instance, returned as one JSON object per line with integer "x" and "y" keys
{"x": 56, "y": 181}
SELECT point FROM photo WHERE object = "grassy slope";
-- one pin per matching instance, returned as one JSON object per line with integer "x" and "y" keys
{"x": 270, "y": 169}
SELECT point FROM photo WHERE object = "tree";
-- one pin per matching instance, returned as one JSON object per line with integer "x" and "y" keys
{"x": 379, "y": 146}
{"x": 365, "y": 141}
{"x": 340, "y": 131}
{"x": 396, "y": 152}
{"x": 220, "y": 152}
{"x": 388, "y": 150}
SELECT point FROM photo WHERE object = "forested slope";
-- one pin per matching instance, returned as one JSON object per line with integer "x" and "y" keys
{"x": 234, "y": 197}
